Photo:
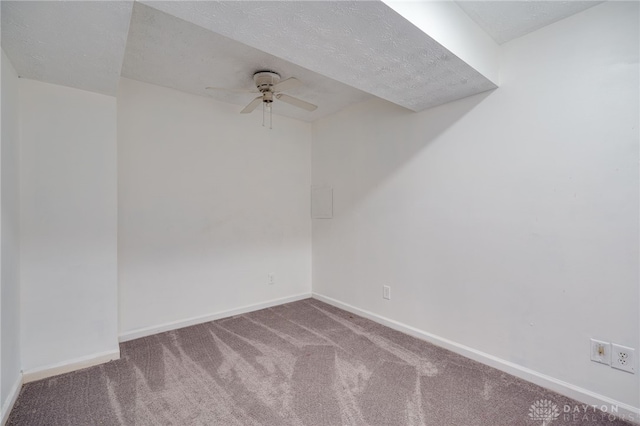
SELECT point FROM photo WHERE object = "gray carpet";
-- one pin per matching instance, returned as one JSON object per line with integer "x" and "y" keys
{"x": 303, "y": 363}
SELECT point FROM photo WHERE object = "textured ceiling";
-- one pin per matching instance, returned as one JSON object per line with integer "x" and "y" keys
{"x": 343, "y": 51}
{"x": 77, "y": 44}
{"x": 167, "y": 51}
{"x": 364, "y": 44}
{"x": 506, "y": 20}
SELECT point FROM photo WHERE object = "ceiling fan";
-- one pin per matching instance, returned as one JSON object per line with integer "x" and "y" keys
{"x": 270, "y": 87}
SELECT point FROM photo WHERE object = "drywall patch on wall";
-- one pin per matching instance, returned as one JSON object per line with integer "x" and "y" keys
{"x": 504, "y": 221}
{"x": 10, "y": 233}
{"x": 68, "y": 179}
{"x": 210, "y": 204}
{"x": 321, "y": 202}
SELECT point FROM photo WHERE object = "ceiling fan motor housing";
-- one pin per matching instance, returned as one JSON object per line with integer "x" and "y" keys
{"x": 265, "y": 80}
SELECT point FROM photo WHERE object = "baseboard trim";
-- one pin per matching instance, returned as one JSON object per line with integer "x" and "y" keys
{"x": 71, "y": 365}
{"x": 174, "y": 325}
{"x": 11, "y": 400}
{"x": 585, "y": 396}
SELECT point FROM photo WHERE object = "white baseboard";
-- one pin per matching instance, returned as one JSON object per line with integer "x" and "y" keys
{"x": 585, "y": 396}
{"x": 11, "y": 400}
{"x": 71, "y": 365}
{"x": 174, "y": 325}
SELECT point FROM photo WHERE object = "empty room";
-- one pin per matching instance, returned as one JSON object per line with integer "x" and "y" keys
{"x": 320, "y": 213}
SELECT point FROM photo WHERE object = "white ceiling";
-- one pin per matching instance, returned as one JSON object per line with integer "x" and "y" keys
{"x": 364, "y": 44}
{"x": 507, "y": 20}
{"x": 343, "y": 51}
{"x": 76, "y": 44}
{"x": 170, "y": 52}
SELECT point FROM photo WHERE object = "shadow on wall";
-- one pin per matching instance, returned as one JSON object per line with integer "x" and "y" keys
{"x": 377, "y": 139}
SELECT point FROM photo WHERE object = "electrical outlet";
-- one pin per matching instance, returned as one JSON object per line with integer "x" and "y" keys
{"x": 271, "y": 279}
{"x": 600, "y": 352}
{"x": 623, "y": 358}
{"x": 386, "y": 292}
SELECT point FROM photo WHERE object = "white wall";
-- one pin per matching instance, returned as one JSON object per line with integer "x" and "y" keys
{"x": 9, "y": 230}
{"x": 508, "y": 221}
{"x": 209, "y": 203}
{"x": 68, "y": 181}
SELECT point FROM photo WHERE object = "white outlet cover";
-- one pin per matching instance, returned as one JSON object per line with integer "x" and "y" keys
{"x": 623, "y": 358}
{"x": 595, "y": 353}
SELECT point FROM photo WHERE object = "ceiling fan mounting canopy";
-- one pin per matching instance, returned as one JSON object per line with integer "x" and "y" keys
{"x": 265, "y": 80}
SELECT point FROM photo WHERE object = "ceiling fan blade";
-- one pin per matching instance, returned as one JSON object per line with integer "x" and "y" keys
{"x": 296, "y": 102}
{"x": 233, "y": 90}
{"x": 287, "y": 84}
{"x": 252, "y": 105}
